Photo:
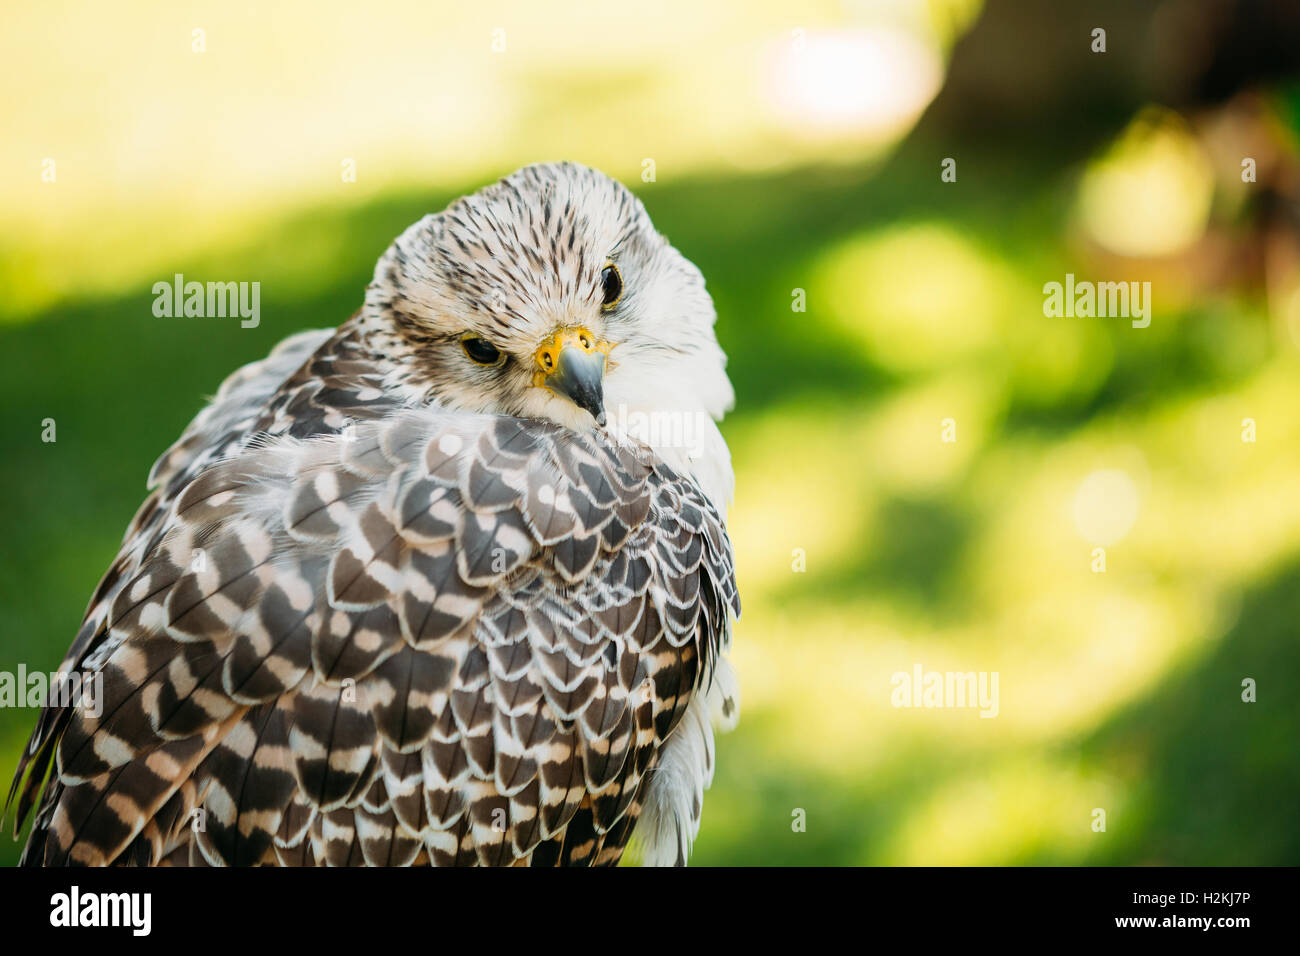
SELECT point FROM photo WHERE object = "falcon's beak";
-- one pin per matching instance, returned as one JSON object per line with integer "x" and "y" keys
{"x": 572, "y": 363}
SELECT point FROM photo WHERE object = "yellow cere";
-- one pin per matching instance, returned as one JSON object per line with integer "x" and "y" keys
{"x": 577, "y": 336}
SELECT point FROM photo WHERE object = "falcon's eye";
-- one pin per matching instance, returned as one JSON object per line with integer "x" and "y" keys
{"x": 481, "y": 351}
{"x": 611, "y": 284}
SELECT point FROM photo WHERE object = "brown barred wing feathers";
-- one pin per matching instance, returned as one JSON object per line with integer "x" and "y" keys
{"x": 435, "y": 637}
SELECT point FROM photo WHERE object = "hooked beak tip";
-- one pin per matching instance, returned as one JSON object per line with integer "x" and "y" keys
{"x": 579, "y": 376}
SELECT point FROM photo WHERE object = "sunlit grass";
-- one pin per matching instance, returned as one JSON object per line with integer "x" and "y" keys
{"x": 172, "y": 129}
{"x": 1013, "y": 811}
{"x": 1188, "y": 513}
{"x": 917, "y": 296}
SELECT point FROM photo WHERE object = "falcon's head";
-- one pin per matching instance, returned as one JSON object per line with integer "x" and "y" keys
{"x": 549, "y": 295}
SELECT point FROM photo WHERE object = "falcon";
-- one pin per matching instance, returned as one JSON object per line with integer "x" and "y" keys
{"x": 414, "y": 590}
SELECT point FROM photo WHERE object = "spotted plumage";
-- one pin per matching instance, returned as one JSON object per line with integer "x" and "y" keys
{"x": 387, "y": 605}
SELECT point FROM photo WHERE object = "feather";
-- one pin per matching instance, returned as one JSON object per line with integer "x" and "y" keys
{"x": 352, "y": 624}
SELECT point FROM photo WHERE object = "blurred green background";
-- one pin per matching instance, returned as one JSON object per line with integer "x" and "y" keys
{"x": 794, "y": 147}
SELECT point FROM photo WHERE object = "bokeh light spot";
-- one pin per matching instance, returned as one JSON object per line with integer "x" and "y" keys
{"x": 1105, "y": 506}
